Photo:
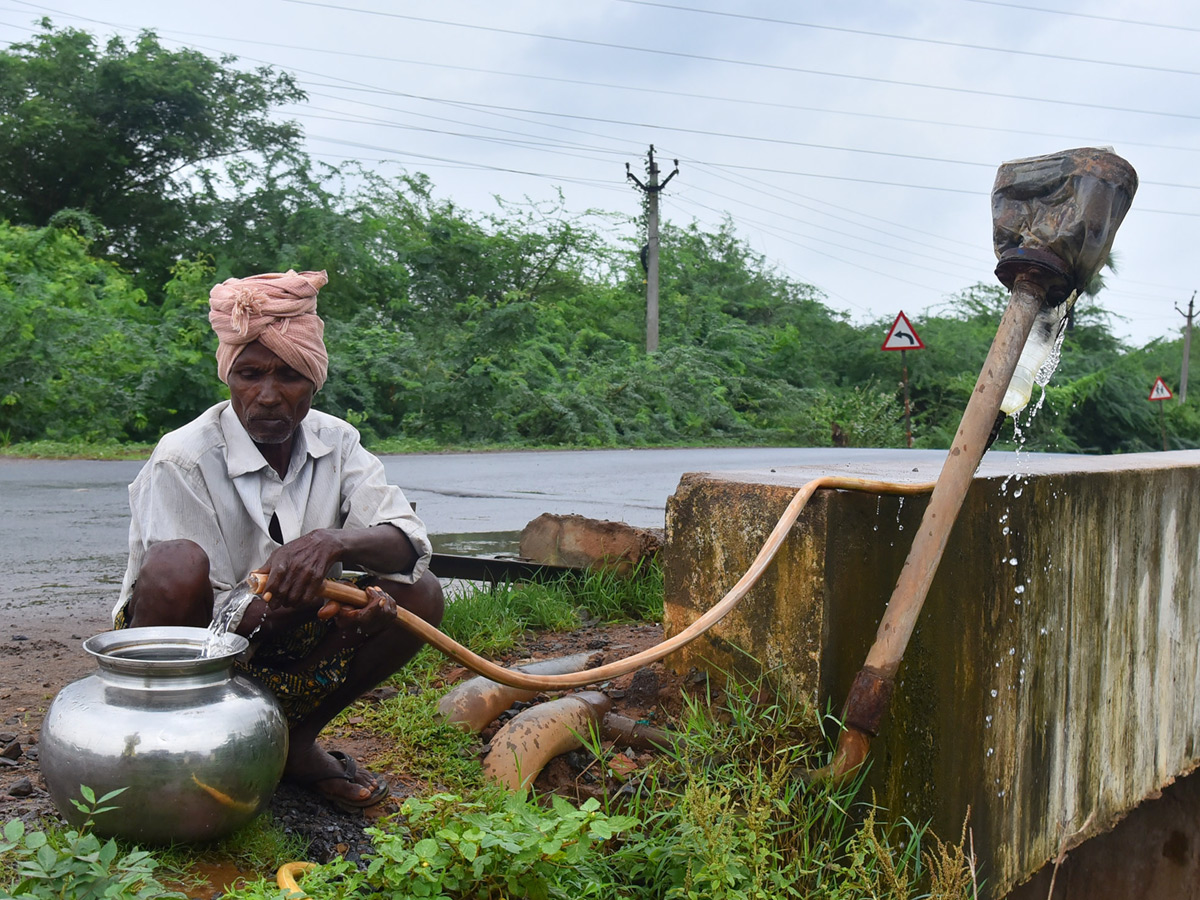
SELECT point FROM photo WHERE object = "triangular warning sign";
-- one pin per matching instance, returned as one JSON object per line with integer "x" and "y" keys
{"x": 1161, "y": 391}
{"x": 902, "y": 336}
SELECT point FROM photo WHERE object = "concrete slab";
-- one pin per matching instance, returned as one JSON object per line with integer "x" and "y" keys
{"x": 1052, "y": 682}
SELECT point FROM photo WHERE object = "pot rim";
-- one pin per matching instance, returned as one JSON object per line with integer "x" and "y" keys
{"x": 147, "y": 650}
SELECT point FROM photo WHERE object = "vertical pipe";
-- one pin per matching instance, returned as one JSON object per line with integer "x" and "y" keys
{"x": 872, "y": 687}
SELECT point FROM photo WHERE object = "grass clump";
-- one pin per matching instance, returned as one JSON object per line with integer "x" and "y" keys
{"x": 731, "y": 814}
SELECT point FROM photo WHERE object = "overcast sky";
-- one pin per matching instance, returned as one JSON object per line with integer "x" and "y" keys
{"x": 853, "y": 144}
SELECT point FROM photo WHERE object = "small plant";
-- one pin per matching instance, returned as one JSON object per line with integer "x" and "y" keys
{"x": 76, "y": 865}
{"x": 453, "y": 848}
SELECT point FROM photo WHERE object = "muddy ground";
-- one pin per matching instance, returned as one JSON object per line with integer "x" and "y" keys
{"x": 38, "y": 658}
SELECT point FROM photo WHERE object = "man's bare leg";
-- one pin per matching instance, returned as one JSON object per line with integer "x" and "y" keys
{"x": 380, "y": 657}
{"x": 172, "y": 587}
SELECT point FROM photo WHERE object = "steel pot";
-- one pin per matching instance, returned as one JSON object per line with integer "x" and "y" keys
{"x": 198, "y": 749}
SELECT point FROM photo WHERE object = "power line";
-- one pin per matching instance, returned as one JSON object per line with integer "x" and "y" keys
{"x": 903, "y": 37}
{"x": 491, "y": 107}
{"x": 741, "y": 62}
{"x": 1079, "y": 15}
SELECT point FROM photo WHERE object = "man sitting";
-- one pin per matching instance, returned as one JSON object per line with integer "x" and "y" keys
{"x": 262, "y": 482}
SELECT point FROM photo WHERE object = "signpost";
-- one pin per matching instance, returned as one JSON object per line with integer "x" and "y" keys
{"x": 903, "y": 337}
{"x": 1159, "y": 392}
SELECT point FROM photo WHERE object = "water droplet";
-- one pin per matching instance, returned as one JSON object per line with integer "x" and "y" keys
{"x": 988, "y": 721}
{"x": 1012, "y": 651}
{"x": 1005, "y": 530}
{"x": 1018, "y": 492}
{"x": 994, "y": 692}
{"x": 991, "y": 750}
{"x": 1020, "y": 588}
{"x": 1014, "y": 561}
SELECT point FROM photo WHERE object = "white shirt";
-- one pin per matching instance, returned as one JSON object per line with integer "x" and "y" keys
{"x": 207, "y": 482}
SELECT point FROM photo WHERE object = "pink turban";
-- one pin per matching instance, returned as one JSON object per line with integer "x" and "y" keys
{"x": 278, "y": 310}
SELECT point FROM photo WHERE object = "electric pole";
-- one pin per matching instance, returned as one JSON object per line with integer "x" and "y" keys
{"x": 1187, "y": 346}
{"x": 651, "y": 188}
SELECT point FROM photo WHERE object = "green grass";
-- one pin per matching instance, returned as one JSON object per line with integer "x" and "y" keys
{"x": 74, "y": 450}
{"x": 261, "y": 845}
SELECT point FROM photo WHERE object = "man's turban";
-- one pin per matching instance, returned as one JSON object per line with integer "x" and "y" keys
{"x": 278, "y": 310}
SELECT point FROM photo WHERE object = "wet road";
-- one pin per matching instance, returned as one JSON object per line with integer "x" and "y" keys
{"x": 64, "y": 523}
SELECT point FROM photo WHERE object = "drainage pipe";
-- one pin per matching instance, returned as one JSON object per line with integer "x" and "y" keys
{"x": 473, "y": 704}
{"x": 521, "y": 749}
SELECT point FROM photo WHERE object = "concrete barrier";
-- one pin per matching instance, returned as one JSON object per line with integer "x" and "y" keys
{"x": 1053, "y": 680}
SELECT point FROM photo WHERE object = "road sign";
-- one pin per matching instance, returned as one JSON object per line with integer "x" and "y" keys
{"x": 902, "y": 336}
{"x": 1160, "y": 391}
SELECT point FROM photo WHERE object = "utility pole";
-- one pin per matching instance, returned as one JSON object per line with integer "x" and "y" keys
{"x": 1187, "y": 346}
{"x": 651, "y": 189}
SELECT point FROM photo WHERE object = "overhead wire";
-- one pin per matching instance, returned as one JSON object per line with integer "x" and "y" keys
{"x": 862, "y": 32}
{"x": 741, "y": 62}
{"x": 1081, "y": 15}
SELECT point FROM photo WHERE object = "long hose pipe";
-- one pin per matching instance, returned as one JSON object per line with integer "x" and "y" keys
{"x": 352, "y": 596}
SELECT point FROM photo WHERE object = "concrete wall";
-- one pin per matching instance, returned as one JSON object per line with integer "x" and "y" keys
{"x": 1052, "y": 681}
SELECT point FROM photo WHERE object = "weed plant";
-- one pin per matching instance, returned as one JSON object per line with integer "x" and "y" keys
{"x": 76, "y": 864}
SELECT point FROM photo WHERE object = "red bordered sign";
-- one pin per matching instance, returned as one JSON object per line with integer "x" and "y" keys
{"x": 902, "y": 336}
{"x": 1160, "y": 391}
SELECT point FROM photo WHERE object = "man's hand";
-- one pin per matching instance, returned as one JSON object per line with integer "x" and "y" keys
{"x": 297, "y": 570}
{"x": 357, "y": 625}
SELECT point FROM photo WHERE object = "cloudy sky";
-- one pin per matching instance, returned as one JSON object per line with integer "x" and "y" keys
{"x": 852, "y": 144}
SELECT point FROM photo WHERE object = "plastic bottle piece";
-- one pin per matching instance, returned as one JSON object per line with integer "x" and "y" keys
{"x": 1042, "y": 340}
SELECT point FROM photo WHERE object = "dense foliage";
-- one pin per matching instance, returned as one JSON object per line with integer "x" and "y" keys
{"x": 446, "y": 327}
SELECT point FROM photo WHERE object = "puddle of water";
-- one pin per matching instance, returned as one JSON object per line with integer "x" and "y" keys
{"x": 215, "y": 877}
{"x": 479, "y": 543}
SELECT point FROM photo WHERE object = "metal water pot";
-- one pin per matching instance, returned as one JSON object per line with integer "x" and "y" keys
{"x": 198, "y": 748}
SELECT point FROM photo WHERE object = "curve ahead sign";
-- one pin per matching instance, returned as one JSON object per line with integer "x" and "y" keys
{"x": 902, "y": 336}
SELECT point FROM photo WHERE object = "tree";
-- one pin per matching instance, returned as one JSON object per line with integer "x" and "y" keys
{"x": 120, "y": 133}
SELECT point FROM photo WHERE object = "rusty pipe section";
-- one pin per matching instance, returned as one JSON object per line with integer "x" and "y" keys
{"x": 627, "y": 732}
{"x": 474, "y": 703}
{"x": 521, "y": 749}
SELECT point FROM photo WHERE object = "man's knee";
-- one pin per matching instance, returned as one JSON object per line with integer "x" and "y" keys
{"x": 172, "y": 586}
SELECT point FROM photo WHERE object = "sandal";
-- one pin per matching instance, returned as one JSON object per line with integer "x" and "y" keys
{"x": 349, "y": 773}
